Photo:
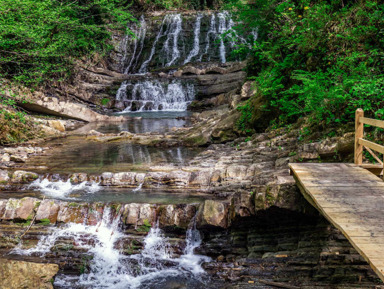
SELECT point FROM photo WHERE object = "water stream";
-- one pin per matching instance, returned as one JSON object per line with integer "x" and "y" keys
{"x": 111, "y": 268}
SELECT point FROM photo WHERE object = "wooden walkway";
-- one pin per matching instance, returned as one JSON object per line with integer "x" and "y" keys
{"x": 352, "y": 199}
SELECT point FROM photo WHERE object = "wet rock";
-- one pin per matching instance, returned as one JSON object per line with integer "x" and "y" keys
{"x": 130, "y": 214}
{"x": 23, "y": 177}
{"x": 78, "y": 178}
{"x": 173, "y": 179}
{"x": 21, "y": 274}
{"x": 5, "y": 157}
{"x": 4, "y": 177}
{"x": 48, "y": 210}
{"x": 138, "y": 214}
{"x": 18, "y": 158}
{"x": 214, "y": 213}
{"x": 20, "y": 209}
{"x": 95, "y": 213}
{"x": 72, "y": 213}
{"x": 176, "y": 215}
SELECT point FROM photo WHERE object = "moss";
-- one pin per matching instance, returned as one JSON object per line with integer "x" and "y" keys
{"x": 44, "y": 222}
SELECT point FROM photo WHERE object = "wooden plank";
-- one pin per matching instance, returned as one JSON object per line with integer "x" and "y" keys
{"x": 373, "y": 122}
{"x": 371, "y": 145}
{"x": 359, "y": 133}
{"x": 352, "y": 199}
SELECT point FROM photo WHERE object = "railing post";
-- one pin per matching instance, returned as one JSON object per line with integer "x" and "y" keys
{"x": 359, "y": 133}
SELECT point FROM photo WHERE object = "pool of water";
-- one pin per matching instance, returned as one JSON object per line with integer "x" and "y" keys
{"x": 108, "y": 194}
{"x": 140, "y": 122}
{"x": 76, "y": 154}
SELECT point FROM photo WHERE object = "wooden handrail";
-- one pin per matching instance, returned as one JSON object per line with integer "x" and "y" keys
{"x": 361, "y": 143}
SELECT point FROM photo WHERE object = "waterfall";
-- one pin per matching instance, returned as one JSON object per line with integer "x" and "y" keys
{"x": 196, "y": 43}
{"x": 144, "y": 66}
{"x": 156, "y": 96}
{"x": 166, "y": 50}
{"x": 222, "y": 29}
{"x": 139, "y": 30}
{"x": 110, "y": 267}
{"x": 61, "y": 189}
{"x": 211, "y": 32}
{"x": 173, "y": 36}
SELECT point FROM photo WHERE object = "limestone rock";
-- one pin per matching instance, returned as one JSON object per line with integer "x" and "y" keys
{"x": 23, "y": 177}
{"x": 20, "y": 209}
{"x": 5, "y": 157}
{"x": 214, "y": 213}
{"x": 21, "y": 274}
{"x": 72, "y": 213}
{"x": 176, "y": 215}
{"x": 48, "y": 209}
{"x": 247, "y": 90}
{"x": 138, "y": 214}
{"x": 4, "y": 177}
{"x": 57, "y": 125}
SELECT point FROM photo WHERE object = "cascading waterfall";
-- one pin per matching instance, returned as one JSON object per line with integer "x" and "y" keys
{"x": 211, "y": 33}
{"x": 139, "y": 29}
{"x": 196, "y": 42}
{"x": 168, "y": 49}
{"x": 61, "y": 189}
{"x": 110, "y": 268}
{"x": 156, "y": 96}
{"x": 173, "y": 32}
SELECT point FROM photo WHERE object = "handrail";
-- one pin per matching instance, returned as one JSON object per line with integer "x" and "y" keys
{"x": 361, "y": 143}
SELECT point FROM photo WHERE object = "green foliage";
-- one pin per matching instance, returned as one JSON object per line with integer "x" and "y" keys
{"x": 39, "y": 40}
{"x": 321, "y": 59}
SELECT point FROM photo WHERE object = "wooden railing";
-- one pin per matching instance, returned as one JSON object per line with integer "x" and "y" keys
{"x": 361, "y": 143}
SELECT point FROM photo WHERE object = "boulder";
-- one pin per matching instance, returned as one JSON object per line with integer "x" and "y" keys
{"x": 214, "y": 213}
{"x": 20, "y": 209}
{"x": 48, "y": 209}
{"x": 23, "y": 177}
{"x": 176, "y": 215}
{"x": 72, "y": 213}
{"x": 21, "y": 274}
{"x": 247, "y": 90}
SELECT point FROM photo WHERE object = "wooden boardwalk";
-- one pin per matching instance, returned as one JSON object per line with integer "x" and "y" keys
{"x": 352, "y": 199}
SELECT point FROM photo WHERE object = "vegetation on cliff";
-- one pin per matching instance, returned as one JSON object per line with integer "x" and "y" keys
{"x": 39, "y": 40}
{"x": 321, "y": 59}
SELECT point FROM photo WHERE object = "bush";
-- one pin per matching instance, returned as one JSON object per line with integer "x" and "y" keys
{"x": 39, "y": 40}
{"x": 321, "y": 59}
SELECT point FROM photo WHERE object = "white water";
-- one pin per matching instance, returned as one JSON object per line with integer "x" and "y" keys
{"x": 196, "y": 41}
{"x": 222, "y": 29}
{"x": 60, "y": 189}
{"x": 173, "y": 32}
{"x": 144, "y": 66}
{"x": 211, "y": 32}
{"x": 109, "y": 268}
{"x": 140, "y": 31}
{"x": 156, "y": 96}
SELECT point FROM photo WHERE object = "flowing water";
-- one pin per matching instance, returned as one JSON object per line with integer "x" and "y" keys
{"x": 172, "y": 46}
{"x": 153, "y": 95}
{"x": 156, "y": 264}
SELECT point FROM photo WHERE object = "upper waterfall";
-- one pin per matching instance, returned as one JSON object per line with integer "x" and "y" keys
{"x": 176, "y": 40}
{"x": 166, "y": 43}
